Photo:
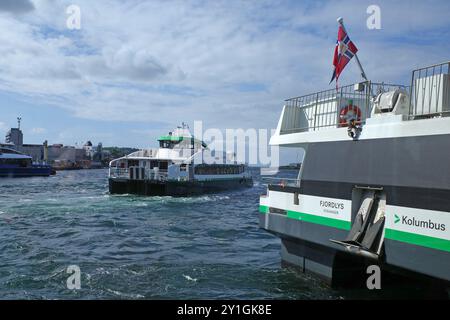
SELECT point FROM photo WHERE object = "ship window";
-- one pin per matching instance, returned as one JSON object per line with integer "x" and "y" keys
{"x": 163, "y": 165}
{"x": 165, "y": 144}
{"x": 16, "y": 162}
{"x": 133, "y": 163}
{"x": 218, "y": 169}
{"x": 24, "y": 163}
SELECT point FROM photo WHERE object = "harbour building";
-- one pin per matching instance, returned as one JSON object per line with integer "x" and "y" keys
{"x": 58, "y": 155}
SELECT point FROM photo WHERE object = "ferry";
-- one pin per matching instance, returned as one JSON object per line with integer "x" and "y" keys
{"x": 179, "y": 167}
{"x": 15, "y": 164}
{"x": 374, "y": 184}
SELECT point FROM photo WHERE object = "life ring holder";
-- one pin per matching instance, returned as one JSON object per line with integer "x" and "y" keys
{"x": 343, "y": 120}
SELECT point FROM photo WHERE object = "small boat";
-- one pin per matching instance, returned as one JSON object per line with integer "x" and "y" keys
{"x": 15, "y": 164}
{"x": 179, "y": 167}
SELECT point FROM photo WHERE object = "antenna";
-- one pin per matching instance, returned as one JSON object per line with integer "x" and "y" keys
{"x": 18, "y": 122}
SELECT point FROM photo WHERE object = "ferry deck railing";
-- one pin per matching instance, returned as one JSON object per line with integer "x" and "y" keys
{"x": 429, "y": 96}
{"x": 144, "y": 153}
{"x": 322, "y": 109}
{"x": 283, "y": 182}
{"x": 146, "y": 174}
{"x": 119, "y": 172}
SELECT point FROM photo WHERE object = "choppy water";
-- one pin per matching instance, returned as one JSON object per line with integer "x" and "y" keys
{"x": 127, "y": 247}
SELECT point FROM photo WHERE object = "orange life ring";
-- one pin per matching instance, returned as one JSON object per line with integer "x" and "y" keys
{"x": 343, "y": 119}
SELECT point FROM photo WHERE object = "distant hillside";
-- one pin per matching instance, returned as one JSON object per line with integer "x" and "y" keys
{"x": 117, "y": 152}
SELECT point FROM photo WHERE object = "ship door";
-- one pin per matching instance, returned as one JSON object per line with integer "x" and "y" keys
{"x": 366, "y": 235}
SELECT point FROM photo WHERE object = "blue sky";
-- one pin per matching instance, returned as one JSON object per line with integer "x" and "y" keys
{"x": 136, "y": 69}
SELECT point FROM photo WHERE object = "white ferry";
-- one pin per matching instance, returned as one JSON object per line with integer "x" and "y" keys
{"x": 182, "y": 165}
{"x": 374, "y": 185}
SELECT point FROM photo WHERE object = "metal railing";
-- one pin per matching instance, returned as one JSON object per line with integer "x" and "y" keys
{"x": 430, "y": 91}
{"x": 119, "y": 173}
{"x": 322, "y": 109}
{"x": 283, "y": 182}
{"x": 181, "y": 153}
{"x": 139, "y": 173}
{"x": 144, "y": 153}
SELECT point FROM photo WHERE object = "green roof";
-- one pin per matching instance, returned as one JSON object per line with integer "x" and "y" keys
{"x": 178, "y": 139}
{"x": 170, "y": 138}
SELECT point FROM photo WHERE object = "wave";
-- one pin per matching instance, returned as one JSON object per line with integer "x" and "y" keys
{"x": 189, "y": 278}
{"x": 143, "y": 201}
{"x": 125, "y": 295}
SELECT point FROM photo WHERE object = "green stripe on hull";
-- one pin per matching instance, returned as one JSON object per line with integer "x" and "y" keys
{"x": 417, "y": 239}
{"x": 263, "y": 209}
{"x": 329, "y": 222}
{"x": 411, "y": 238}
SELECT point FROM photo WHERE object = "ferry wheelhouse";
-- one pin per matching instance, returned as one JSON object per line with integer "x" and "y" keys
{"x": 15, "y": 164}
{"x": 182, "y": 165}
{"x": 374, "y": 185}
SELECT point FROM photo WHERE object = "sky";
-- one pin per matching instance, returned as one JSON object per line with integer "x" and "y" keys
{"x": 137, "y": 69}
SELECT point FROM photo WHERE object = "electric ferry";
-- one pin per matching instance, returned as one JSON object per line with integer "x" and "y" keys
{"x": 15, "y": 164}
{"x": 182, "y": 165}
{"x": 374, "y": 185}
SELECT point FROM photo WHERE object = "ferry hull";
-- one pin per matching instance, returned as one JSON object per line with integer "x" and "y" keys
{"x": 307, "y": 247}
{"x": 413, "y": 174}
{"x": 175, "y": 188}
{"x": 25, "y": 172}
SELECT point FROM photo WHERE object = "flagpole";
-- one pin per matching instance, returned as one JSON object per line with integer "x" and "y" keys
{"x": 340, "y": 20}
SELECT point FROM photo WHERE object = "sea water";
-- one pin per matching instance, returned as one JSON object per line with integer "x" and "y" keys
{"x": 135, "y": 247}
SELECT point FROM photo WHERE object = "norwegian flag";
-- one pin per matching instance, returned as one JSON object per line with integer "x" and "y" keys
{"x": 343, "y": 53}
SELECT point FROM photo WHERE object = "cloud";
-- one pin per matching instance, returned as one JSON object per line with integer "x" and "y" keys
{"x": 16, "y": 6}
{"x": 3, "y": 127}
{"x": 38, "y": 130}
{"x": 123, "y": 64}
{"x": 229, "y": 63}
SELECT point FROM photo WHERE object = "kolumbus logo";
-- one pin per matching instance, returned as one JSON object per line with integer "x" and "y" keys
{"x": 414, "y": 222}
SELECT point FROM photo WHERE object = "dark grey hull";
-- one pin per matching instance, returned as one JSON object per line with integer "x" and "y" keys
{"x": 175, "y": 188}
{"x": 412, "y": 171}
{"x": 308, "y": 247}
{"x": 33, "y": 171}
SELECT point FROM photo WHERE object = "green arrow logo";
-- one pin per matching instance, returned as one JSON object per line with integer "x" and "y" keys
{"x": 397, "y": 218}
